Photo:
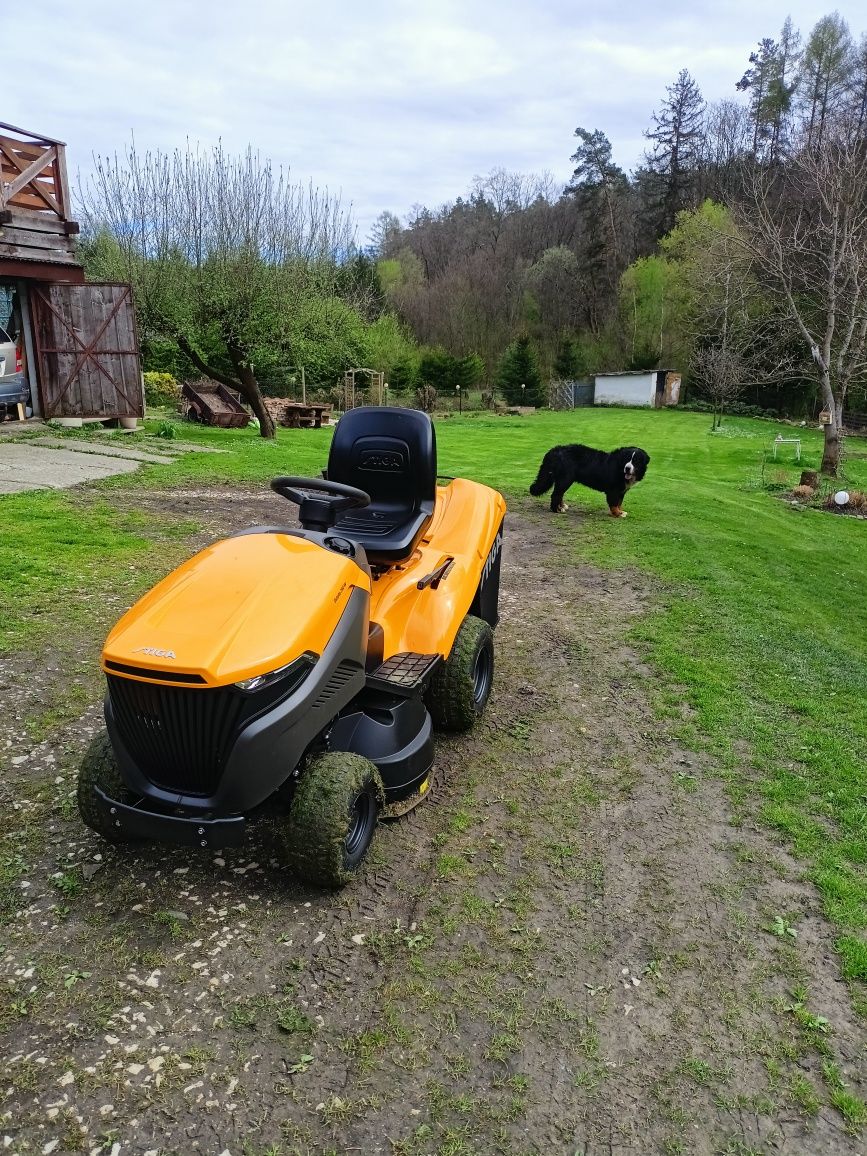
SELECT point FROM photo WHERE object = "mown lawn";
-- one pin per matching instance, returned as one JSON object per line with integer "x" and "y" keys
{"x": 761, "y": 621}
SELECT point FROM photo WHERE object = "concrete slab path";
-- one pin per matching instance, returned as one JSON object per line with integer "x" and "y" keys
{"x": 56, "y": 463}
{"x": 24, "y": 466}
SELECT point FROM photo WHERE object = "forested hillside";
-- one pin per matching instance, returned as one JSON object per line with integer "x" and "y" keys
{"x": 736, "y": 251}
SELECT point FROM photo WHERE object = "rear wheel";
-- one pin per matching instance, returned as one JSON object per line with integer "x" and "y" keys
{"x": 333, "y": 818}
{"x": 99, "y": 769}
{"x": 460, "y": 689}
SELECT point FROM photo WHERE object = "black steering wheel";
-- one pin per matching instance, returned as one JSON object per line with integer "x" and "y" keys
{"x": 320, "y": 502}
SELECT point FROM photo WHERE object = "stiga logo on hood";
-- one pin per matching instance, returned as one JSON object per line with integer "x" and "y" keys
{"x": 155, "y": 652}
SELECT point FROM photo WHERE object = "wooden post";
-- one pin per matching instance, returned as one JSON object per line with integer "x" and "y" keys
{"x": 303, "y": 387}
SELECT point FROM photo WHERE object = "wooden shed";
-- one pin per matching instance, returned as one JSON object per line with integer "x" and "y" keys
{"x": 78, "y": 339}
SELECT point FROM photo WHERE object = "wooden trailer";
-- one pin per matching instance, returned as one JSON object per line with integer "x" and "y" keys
{"x": 210, "y": 403}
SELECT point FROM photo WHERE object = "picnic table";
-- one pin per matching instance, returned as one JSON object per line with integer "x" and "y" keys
{"x": 297, "y": 414}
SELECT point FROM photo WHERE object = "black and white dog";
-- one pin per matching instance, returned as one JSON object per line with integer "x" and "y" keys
{"x": 612, "y": 474}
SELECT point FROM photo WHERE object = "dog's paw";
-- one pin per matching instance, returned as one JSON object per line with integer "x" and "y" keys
{"x": 562, "y": 508}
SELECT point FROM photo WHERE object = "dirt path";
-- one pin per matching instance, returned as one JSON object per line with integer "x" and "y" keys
{"x": 571, "y": 949}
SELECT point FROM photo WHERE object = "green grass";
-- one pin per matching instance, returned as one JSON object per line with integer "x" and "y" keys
{"x": 58, "y": 554}
{"x": 760, "y": 622}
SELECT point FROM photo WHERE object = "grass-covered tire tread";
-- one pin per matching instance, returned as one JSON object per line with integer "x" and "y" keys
{"x": 99, "y": 768}
{"x": 321, "y": 818}
{"x": 455, "y": 697}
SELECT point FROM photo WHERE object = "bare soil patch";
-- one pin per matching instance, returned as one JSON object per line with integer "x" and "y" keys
{"x": 571, "y": 948}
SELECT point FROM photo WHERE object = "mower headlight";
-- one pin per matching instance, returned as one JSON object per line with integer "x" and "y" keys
{"x": 289, "y": 676}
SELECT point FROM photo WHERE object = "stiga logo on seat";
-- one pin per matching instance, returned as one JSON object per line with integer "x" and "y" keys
{"x": 155, "y": 652}
{"x": 386, "y": 461}
{"x": 492, "y": 557}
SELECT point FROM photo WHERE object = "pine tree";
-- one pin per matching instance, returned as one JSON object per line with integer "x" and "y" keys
{"x": 597, "y": 183}
{"x": 403, "y": 377}
{"x": 771, "y": 81}
{"x": 469, "y": 371}
{"x": 601, "y": 191}
{"x": 677, "y": 135}
{"x": 783, "y": 85}
{"x": 568, "y": 364}
{"x": 757, "y": 80}
{"x": 859, "y": 87}
{"x": 437, "y": 367}
{"x": 827, "y": 67}
{"x": 518, "y": 374}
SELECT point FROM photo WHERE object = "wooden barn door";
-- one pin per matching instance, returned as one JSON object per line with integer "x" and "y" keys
{"x": 87, "y": 350}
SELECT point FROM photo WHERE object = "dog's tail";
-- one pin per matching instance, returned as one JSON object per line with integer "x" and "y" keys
{"x": 545, "y": 478}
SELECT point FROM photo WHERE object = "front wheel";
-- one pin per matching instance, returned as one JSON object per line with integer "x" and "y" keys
{"x": 333, "y": 818}
{"x": 99, "y": 769}
{"x": 461, "y": 686}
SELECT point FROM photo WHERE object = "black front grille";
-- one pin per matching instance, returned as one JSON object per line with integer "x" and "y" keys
{"x": 180, "y": 739}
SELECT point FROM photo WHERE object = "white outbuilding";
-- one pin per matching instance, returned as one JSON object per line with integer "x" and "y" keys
{"x": 651, "y": 387}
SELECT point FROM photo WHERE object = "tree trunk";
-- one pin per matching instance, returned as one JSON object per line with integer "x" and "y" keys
{"x": 250, "y": 389}
{"x": 831, "y": 450}
{"x": 245, "y": 385}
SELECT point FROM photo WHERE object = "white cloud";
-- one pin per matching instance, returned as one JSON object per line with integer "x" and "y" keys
{"x": 391, "y": 101}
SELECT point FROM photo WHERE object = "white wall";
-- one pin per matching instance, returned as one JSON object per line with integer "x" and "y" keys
{"x": 628, "y": 389}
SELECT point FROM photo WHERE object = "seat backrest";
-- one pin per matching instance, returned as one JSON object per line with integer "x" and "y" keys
{"x": 390, "y": 453}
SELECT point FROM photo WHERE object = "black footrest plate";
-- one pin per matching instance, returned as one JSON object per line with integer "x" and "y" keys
{"x": 406, "y": 673}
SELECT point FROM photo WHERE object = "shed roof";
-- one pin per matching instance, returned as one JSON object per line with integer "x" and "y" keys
{"x": 634, "y": 372}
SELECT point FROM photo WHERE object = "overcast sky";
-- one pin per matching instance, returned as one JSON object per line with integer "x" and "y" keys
{"x": 391, "y": 103}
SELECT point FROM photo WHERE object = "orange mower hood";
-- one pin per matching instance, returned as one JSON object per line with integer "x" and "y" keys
{"x": 243, "y": 607}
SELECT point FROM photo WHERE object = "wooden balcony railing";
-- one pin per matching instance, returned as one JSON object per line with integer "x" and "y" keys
{"x": 35, "y": 205}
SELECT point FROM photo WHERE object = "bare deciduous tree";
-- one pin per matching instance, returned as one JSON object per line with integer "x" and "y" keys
{"x": 720, "y": 370}
{"x": 805, "y": 225}
{"x": 219, "y": 250}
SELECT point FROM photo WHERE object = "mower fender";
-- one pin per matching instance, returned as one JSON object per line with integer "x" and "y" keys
{"x": 394, "y": 733}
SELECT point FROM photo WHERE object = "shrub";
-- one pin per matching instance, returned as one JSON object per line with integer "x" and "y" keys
{"x": 161, "y": 389}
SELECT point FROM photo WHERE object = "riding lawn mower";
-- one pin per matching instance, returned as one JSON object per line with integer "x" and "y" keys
{"x": 297, "y": 673}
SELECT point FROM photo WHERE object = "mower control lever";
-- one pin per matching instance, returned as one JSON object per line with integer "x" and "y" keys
{"x": 320, "y": 502}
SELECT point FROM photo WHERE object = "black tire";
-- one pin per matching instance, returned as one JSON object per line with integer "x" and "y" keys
{"x": 333, "y": 818}
{"x": 99, "y": 769}
{"x": 459, "y": 691}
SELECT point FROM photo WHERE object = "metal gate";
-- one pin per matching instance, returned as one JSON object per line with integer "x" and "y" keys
{"x": 87, "y": 350}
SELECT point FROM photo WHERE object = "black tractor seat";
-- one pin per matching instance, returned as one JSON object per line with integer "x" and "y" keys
{"x": 389, "y": 453}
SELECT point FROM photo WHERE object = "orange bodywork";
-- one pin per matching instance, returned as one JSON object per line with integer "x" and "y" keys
{"x": 242, "y": 607}
{"x": 250, "y": 604}
{"x": 464, "y": 525}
